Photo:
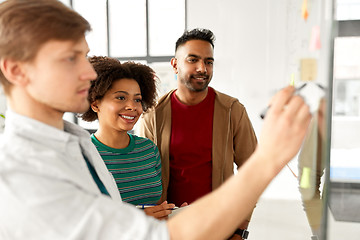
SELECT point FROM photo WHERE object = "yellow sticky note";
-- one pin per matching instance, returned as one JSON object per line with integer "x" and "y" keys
{"x": 305, "y": 178}
{"x": 308, "y": 69}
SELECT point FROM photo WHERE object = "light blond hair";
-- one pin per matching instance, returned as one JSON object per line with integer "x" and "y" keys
{"x": 25, "y": 25}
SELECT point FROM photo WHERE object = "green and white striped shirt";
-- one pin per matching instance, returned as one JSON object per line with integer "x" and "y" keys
{"x": 136, "y": 169}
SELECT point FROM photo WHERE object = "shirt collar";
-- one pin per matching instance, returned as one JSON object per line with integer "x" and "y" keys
{"x": 40, "y": 132}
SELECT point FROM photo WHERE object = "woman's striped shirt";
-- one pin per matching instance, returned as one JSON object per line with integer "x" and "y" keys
{"x": 136, "y": 169}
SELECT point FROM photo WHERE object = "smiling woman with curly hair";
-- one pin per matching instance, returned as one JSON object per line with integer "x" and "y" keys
{"x": 118, "y": 97}
{"x": 110, "y": 70}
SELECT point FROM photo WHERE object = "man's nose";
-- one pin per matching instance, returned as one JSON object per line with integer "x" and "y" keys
{"x": 88, "y": 72}
{"x": 201, "y": 67}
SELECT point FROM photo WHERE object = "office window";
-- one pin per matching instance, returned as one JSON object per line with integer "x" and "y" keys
{"x": 127, "y": 28}
{"x": 66, "y": 2}
{"x": 138, "y": 30}
{"x": 347, "y": 10}
{"x": 95, "y": 12}
{"x": 166, "y": 24}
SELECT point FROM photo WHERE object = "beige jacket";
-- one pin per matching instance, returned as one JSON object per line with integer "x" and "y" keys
{"x": 234, "y": 139}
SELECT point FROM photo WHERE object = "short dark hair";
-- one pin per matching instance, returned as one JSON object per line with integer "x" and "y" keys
{"x": 110, "y": 70}
{"x": 196, "y": 34}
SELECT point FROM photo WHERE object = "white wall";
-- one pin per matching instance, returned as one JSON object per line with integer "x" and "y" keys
{"x": 249, "y": 60}
{"x": 248, "y": 48}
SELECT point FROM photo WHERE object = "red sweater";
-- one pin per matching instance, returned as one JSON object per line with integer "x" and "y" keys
{"x": 191, "y": 149}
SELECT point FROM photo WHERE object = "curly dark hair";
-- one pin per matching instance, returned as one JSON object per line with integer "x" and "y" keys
{"x": 110, "y": 70}
{"x": 196, "y": 34}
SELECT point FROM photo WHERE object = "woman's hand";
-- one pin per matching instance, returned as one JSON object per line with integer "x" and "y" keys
{"x": 161, "y": 211}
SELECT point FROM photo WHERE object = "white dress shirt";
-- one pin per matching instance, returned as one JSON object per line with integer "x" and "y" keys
{"x": 47, "y": 191}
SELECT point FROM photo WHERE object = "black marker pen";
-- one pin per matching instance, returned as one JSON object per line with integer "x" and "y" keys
{"x": 263, "y": 113}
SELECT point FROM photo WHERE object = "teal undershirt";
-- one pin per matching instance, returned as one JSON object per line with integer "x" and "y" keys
{"x": 136, "y": 169}
{"x": 96, "y": 178}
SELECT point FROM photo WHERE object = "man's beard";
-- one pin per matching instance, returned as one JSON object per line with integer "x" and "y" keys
{"x": 192, "y": 85}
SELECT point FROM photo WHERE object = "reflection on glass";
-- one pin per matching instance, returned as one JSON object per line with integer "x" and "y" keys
{"x": 312, "y": 164}
{"x": 166, "y": 24}
{"x": 310, "y": 62}
{"x": 127, "y": 26}
{"x": 347, "y": 77}
{"x": 344, "y": 200}
{"x": 95, "y": 12}
{"x": 347, "y": 97}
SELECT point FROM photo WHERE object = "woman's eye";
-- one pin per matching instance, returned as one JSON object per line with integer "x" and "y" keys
{"x": 138, "y": 100}
{"x": 121, "y": 98}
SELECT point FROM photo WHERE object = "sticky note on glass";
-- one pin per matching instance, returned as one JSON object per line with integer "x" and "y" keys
{"x": 315, "y": 43}
{"x": 304, "y": 10}
{"x": 292, "y": 80}
{"x": 305, "y": 178}
{"x": 308, "y": 69}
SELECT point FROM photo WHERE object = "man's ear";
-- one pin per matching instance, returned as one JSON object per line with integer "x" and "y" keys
{"x": 174, "y": 65}
{"x": 94, "y": 106}
{"x": 13, "y": 71}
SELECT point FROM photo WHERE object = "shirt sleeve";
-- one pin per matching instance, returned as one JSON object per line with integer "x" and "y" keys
{"x": 158, "y": 159}
{"x": 245, "y": 140}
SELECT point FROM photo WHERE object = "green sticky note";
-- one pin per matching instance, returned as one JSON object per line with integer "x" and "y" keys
{"x": 305, "y": 178}
{"x": 292, "y": 81}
